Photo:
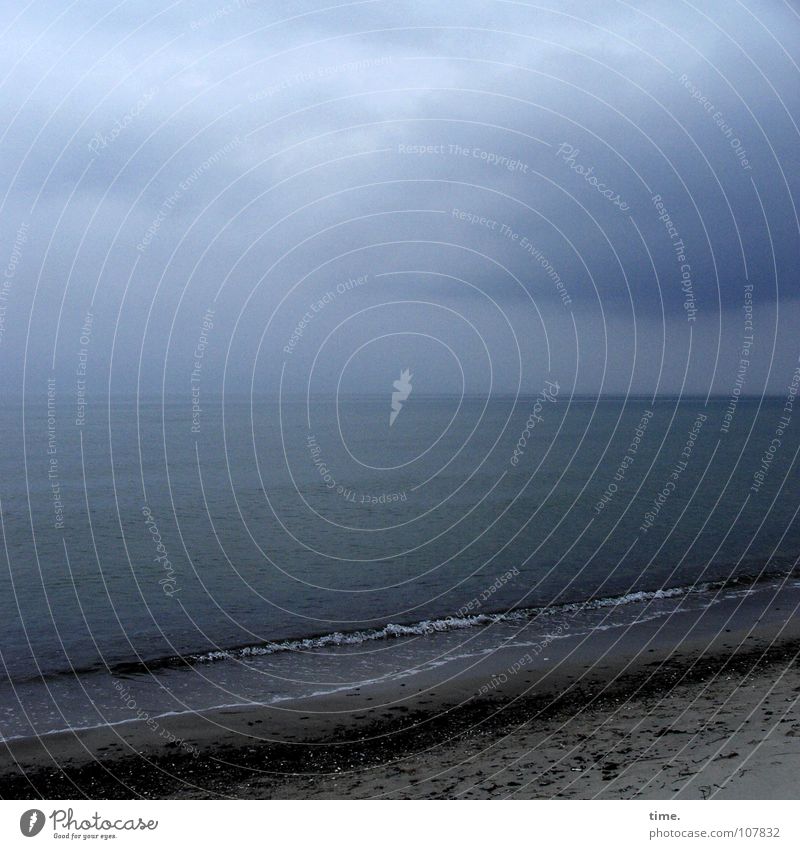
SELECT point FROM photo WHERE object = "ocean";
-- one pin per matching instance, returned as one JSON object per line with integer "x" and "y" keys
{"x": 160, "y": 559}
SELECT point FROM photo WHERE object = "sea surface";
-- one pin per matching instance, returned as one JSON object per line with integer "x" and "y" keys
{"x": 258, "y": 550}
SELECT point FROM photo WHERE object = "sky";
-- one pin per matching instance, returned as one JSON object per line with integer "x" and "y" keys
{"x": 238, "y": 197}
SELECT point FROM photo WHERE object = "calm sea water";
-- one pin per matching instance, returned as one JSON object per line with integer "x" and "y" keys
{"x": 147, "y": 533}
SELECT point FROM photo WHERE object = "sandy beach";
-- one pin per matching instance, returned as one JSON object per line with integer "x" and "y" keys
{"x": 683, "y": 708}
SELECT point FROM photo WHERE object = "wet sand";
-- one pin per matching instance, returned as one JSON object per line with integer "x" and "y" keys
{"x": 702, "y": 705}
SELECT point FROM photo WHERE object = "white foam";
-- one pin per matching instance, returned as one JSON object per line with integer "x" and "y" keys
{"x": 427, "y": 627}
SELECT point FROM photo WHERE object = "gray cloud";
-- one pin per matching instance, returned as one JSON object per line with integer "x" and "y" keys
{"x": 247, "y": 158}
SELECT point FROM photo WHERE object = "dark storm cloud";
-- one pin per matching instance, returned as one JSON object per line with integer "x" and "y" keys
{"x": 233, "y": 151}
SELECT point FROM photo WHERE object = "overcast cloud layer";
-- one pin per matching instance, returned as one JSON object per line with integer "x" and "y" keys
{"x": 329, "y": 192}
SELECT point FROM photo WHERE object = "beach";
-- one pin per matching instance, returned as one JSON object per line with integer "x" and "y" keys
{"x": 699, "y": 704}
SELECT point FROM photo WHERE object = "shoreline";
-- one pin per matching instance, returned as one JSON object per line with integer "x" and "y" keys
{"x": 675, "y": 692}
{"x": 462, "y": 619}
